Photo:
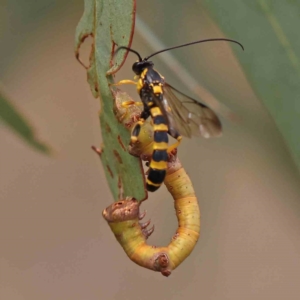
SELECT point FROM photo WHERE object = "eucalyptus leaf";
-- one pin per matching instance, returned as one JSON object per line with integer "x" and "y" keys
{"x": 111, "y": 24}
{"x": 269, "y": 31}
{"x": 11, "y": 116}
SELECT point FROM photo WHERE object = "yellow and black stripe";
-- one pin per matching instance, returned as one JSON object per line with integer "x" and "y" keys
{"x": 150, "y": 85}
{"x": 158, "y": 163}
{"x": 150, "y": 88}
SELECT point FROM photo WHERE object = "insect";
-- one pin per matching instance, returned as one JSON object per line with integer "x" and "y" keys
{"x": 123, "y": 218}
{"x": 173, "y": 112}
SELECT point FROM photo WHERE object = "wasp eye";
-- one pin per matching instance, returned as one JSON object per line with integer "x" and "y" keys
{"x": 137, "y": 68}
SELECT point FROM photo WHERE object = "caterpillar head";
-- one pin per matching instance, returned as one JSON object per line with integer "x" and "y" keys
{"x": 122, "y": 210}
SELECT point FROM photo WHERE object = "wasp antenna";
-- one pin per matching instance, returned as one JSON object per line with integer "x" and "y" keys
{"x": 196, "y": 42}
{"x": 130, "y": 50}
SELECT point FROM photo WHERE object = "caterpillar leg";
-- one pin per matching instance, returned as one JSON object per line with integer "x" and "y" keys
{"x": 125, "y": 81}
{"x": 144, "y": 226}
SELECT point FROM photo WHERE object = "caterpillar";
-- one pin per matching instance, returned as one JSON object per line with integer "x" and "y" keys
{"x": 124, "y": 217}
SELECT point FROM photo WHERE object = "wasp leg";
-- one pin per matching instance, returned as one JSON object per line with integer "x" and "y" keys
{"x": 136, "y": 131}
{"x": 126, "y": 105}
{"x": 175, "y": 134}
{"x": 174, "y": 146}
{"x": 125, "y": 81}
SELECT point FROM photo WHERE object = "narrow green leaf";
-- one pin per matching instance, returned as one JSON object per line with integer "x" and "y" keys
{"x": 17, "y": 122}
{"x": 111, "y": 23}
{"x": 269, "y": 30}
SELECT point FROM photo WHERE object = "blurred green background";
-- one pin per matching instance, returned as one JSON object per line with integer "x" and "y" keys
{"x": 55, "y": 243}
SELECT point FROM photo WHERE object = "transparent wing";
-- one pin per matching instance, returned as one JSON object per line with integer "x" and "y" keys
{"x": 189, "y": 116}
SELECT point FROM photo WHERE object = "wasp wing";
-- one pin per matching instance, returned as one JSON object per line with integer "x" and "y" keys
{"x": 189, "y": 116}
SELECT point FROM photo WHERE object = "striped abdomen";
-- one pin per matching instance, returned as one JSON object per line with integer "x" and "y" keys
{"x": 158, "y": 163}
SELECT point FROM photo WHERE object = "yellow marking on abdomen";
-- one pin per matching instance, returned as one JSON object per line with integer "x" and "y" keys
{"x": 151, "y": 183}
{"x": 160, "y": 146}
{"x": 155, "y": 111}
{"x": 160, "y": 127}
{"x": 159, "y": 165}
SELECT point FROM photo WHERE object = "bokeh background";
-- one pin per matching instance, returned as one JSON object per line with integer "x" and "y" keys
{"x": 55, "y": 243}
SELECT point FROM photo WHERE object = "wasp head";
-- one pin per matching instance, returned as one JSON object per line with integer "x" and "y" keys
{"x": 139, "y": 66}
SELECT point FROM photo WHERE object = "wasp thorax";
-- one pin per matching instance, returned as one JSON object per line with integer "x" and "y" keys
{"x": 139, "y": 66}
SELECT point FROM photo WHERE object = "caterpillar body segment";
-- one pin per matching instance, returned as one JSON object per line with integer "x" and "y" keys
{"x": 123, "y": 219}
